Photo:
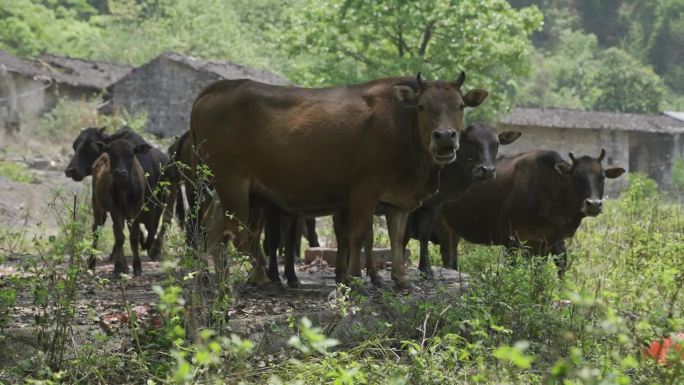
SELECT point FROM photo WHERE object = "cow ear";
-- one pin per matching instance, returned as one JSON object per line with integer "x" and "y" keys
{"x": 562, "y": 168}
{"x": 406, "y": 95}
{"x": 475, "y": 97}
{"x": 142, "y": 148}
{"x": 508, "y": 137}
{"x": 101, "y": 146}
{"x": 614, "y": 172}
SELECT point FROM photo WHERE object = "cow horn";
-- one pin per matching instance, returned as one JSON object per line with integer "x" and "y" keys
{"x": 421, "y": 83}
{"x": 572, "y": 157}
{"x": 603, "y": 154}
{"x": 460, "y": 80}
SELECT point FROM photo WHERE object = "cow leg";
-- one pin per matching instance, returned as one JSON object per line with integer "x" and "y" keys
{"x": 560, "y": 257}
{"x": 311, "y": 235}
{"x": 99, "y": 219}
{"x": 272, "y": 241}
{"x": 193, "y": 221}
{"x": 371, "y": 267}
{"x": 447, "y": 239}
{"x": 154, "y": 252}
{"x": 255, "y": 225}
{"x": 360, "y": 218}
{"x": 341, "y": 228}
{"x": 235, "y": 200}
{"x": 424, "y": 233}
{"x": 396, "y": 227}
{"x": 134, "y": 233}
{"x": 454, "y": 249}
{"x": 301, "y": 230}
{"x": 292, "y": 233}
{"x": 120, "y": 264}
{"x": 217, "y": 238}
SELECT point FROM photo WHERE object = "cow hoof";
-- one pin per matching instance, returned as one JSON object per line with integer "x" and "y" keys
{"x": 407, "y": 286}
{"x": 273, "y": 276}
{"x": 137, "y": 271}
{"x": 91, "y": 263}
{"x": 154, "y": 254}
{"x": 362, "y": 291}
{"x": 118, "y": 271}
{"x": 294, "y": 283}
{"x": 272, "y": 287}
{"x": 427, "y": 273}
{"x": 259, "y": 278}
{"x": 378, "y": 282}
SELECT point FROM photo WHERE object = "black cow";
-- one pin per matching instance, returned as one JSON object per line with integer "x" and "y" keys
{"x": 537, "y": 199}
{"x": 475, "y": 163}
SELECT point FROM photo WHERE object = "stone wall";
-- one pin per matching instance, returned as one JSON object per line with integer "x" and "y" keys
{"x": 165, "y": 90}
{"x": 580, "y": 142}
{"x": 22, "y": 99}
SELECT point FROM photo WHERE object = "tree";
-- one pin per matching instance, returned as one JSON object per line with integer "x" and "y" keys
{"x": 578, "y": 74}
{"x": 624, "y": 84}
{"x": 343, "y": 41}
{"x": 30, "y": 28}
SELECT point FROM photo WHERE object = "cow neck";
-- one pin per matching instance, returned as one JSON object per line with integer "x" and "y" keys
{"x": 564, "y": 213}
{"x": 453, "y": 184}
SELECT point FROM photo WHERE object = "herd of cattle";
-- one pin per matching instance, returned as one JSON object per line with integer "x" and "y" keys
{"x": 280, "y": 156}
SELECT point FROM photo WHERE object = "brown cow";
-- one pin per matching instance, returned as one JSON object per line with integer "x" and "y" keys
{"x": 537, "y": 199}
{"x": 317, "y": 151}
{"x": 120, "y": 188}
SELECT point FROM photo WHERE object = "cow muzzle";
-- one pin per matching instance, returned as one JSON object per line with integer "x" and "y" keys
{"x": 592, "y": 207}
{"x": 120, "y": 175}
{"x": 443, "y": 145}
{"x": 73, "y": 173}
{"x": 484, "y": 172}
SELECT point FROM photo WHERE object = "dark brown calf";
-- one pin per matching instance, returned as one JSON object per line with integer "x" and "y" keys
{"x": 119, "y": 187}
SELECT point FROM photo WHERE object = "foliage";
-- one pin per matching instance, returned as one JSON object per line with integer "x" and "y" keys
{"x": 624, "y": 85}
{"x": 352, "y": 41}
{"x": 576, "y": 74}
{"x": 678, "y": 174}
{"x": 63, "y": 123}
{"x": 32, "y": 27}
{"x": 515, "y": 323}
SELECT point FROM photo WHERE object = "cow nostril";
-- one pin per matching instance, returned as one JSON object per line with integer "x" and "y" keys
{"x": 436, "y": 135}
{"x": 451, "y": 133}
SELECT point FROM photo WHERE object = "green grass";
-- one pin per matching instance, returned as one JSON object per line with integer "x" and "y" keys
{"x": 515, "y": 324}
{"x": 17, "y": 172}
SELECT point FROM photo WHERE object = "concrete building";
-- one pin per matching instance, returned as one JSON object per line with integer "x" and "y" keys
{"x": 639, "y": 143}
{"x": 29, "y": 88}
{"x": 166, "y": 87}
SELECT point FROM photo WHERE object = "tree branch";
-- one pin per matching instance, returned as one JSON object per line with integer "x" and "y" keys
{"x": 357, "y": 56}
{"x": 427, "y": 34}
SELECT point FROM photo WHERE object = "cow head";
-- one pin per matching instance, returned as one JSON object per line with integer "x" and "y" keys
{"x": 85, "y": 153}
{"x": 440, "y": 107}
{"x": 587, "y": 177}
{"x": 122, "y": 157}
{"x": 478, "y": 150}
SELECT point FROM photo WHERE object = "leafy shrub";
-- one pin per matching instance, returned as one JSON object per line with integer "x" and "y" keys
{"x": 63, "y": 123}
